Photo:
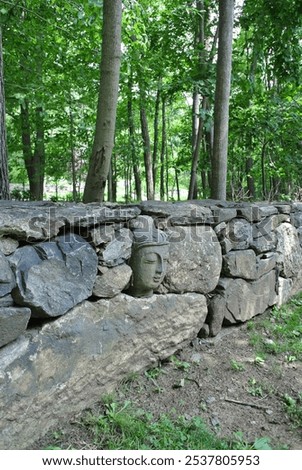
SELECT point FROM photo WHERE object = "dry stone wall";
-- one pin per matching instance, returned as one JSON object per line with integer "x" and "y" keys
{"x": 69, "y": 332}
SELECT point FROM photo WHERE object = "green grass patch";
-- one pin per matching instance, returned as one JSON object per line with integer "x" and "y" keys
{"x": 283, "y": 331}
{"x": 294, "y": 409}
{"x": 121, "y": 427}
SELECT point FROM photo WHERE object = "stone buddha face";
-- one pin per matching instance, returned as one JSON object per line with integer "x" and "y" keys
{"x": 150, "y": 251}
{"x": 148, "y": 263}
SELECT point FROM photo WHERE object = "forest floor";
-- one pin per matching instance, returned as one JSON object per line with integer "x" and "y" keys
{"x": 237, "y": 391}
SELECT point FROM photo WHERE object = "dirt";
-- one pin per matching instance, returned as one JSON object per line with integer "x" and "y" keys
{"x": 220, "y": 380}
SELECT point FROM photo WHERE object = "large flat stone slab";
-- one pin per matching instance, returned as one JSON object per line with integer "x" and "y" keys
{"x": 34, "y": 221}
{"x": 67, "y": 365}
{"x": 177, "y": 213}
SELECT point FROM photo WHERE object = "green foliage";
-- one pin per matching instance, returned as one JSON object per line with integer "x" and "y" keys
{"x": 237, "y": 366}
{"x": 284, "y": 330}
{"x": 120, "y": 427}
{"x": 294, "y": 409}
{"x": 52, "y": 53}
{"x": 179, "y": 364}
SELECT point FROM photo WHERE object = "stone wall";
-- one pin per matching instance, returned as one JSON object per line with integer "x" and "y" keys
{"x": 69, "y": 332}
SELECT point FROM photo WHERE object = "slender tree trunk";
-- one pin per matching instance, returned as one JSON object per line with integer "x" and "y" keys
{"x": 107, "y": 104}
{"x": 263, "y": 175}
{"x": 34, "y": 161}
{"x": 147, "y": 151}
{"x": 39, "y": 155}
{"x": 156, "y": 133}
{"x": 222, "y": 96}
{"x": 177, "y": 183}
{"x": 163, "y": 152}
{"x": 131, "y": 129}
{"x": 197, "y": 125}
{"x": 4, "y": 183}
{"x": 196, "y": 134}
{"x": 249, "y": 178}
{"x": 195, "y": 117}
{"x": 72, "y": 151}
{"x": 196, "y": 151}
{"x": 113, "y": 179}
{"x": 109, "y": 184}
{"x": 26, "y": 142}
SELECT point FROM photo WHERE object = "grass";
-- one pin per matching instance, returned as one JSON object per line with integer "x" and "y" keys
{"x": 283, "y": 331}
{"x": 294, "y": 409}
{"x": 121, "y": 427}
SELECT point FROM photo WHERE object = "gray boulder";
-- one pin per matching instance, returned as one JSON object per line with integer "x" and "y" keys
{"x": 102, "y": 234}
{"x": 112, "y": 281}
{"x": 265, "y": 263}
{"x": 65, "y": 366}
{"x": 6, "y": 301}
{"x": 263, "y": 244}
{"x": 53, "y": 277}
{"x": 29, "y": 221}
{"x": 118, "y": 250}
{"x": 217, "y": 311}
{"x": 7, "y": 278}
{"x": 244, "y": 300}
{"x": 285, "y": 287}
{"x": 177, "y": 213}
{"x": 13, "y": 322}
{"x": 195, "y": 260}
{"x": 35, "y": 221}
{"x": 8, "y": 245}
{"x": 289, "y": 251}
{"x": 240, "y": 264}
{"x": 239, "y": 234}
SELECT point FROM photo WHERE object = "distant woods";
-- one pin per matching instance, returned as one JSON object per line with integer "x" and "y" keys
{"x": 168, "y": 99}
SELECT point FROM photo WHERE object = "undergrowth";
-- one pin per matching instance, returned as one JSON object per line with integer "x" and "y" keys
{"x": 120, "y": 427}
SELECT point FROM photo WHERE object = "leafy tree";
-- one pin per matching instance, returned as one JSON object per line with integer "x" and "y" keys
{"x": 106, "y": 112}
{"x": 222, "y": 96}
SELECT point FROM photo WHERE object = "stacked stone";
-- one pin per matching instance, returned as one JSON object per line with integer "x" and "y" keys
{"x": 51, "y": 273}
{"x": 70, "y": 263}
{"x": 245, "y": 257}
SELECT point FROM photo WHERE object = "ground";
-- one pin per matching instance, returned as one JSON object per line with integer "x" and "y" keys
{"x": 221, "y": 380}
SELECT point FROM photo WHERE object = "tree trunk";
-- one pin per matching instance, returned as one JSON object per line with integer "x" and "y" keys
{"x": 39, "y": 156}
{"x": 156, "y": 132}
{"x": 26, "y": 143}
{"x": 263, "y": 173}
{"x": 249, "y": 178}
{"x": 222, "y": 96}
{"x": 34, "y": 162}
{"x": 131, "y": 128}
{"x": 163, "y": 151}
{"x": 197, "y": 121}
{"x": 72, "y": 151}
{"x": 177, "y": 183}
{"x": 4, "y": 183}
{"x": 107, "y": 104}
{"x": 196, "y": 151}
{"x": 113, "y": 182}
{"x": 147, "y": 151}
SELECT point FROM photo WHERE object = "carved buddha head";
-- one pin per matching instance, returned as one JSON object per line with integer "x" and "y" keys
{"x": 150, "y": 251}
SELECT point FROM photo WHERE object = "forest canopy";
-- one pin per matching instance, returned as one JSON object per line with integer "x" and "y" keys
{"x": 164, "y": 141}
